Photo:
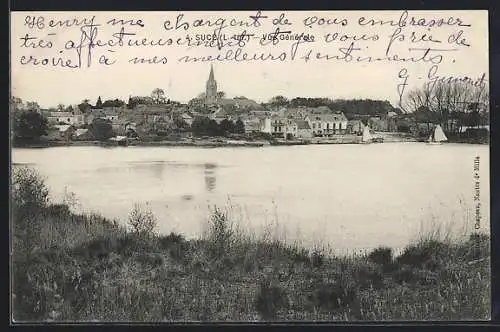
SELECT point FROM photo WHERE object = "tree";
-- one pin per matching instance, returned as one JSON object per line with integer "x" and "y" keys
{"x": 98, "y": 104}
{"x": 16, "y": 103}
{"x": 239, "y": 127}
{"x": 84, "y": 106}
{"x": 113, "y": 103}
{"x": 279, "y": 101}
{"x": 446, "y": 101}
{"x": 205, "y": 127}
{"x": 142, "y": 221}
{"x": 101, "y": 129}
{"x": 221, "y": 94}
{"x": 473, "y": 119}
{"x": 227, "y": 127}
{"x": 60, "y": 107}
{"x": 29, "y": 125}
{"x": 32, "y": 105}
{"x": 158, "y": 96}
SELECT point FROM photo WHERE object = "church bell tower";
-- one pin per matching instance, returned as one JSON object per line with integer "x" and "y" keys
{"x": 211, "y": 88}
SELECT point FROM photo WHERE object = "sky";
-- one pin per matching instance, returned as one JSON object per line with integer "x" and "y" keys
{"x": 259, "y": 80}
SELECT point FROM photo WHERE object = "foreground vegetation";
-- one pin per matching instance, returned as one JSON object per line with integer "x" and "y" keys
{"x": 80, "y": 267}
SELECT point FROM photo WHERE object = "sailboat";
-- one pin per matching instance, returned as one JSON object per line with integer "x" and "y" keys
{"x": 367, "y": 136}
{"x": 437, "y": 136}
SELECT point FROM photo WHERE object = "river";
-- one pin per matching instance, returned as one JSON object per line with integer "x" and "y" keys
{"x": 350, "y": 197}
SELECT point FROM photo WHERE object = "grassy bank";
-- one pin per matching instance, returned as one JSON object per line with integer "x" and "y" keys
{"x": 80, "y": 267}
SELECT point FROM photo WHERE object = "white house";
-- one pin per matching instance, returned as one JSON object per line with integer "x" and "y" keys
{"x": 266, "y": 125}
{"x": 283, "y": 127}
{"x": 326, "y": 125}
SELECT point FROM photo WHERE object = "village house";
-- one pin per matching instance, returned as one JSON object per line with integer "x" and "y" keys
{"x": 220, "y": 115}
{"x": 299, "y": 113}
{"x": 266, "y": 125}
{"x": 252, "y": 125}
{"x": 122, "y": 127}
{"x": 291, "y": 128}
{"x": 111, "y": 113}
{"x": 278, "y": 126}
{"x": 304, "y": 130}
{"x": 355, "y": 127}
{"x": 327, "y": 125}
{"x": 75, "y": 118}
{"x": 158, "y": 118}
{"x": 378, "y": 124}
{"x": 283, "y": 127}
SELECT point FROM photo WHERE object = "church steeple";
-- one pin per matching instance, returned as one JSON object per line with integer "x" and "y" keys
{"x": 211, "y": 76}
{"x": 211, "y": 88}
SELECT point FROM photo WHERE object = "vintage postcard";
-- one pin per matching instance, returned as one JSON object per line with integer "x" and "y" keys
{"x": 250, "y": 166}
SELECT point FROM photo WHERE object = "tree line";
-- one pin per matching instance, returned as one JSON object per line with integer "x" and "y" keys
{"x": 450, "y": 104}
{"x": 351, "y": 108}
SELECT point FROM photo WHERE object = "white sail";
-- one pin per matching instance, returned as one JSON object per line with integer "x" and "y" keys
{"x": 367, "y": 137}
{"x": 439, "y": 135}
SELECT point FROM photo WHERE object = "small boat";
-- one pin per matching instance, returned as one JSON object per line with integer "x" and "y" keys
{"x": 367, "y": 136}
{"x": 437, "y": 137}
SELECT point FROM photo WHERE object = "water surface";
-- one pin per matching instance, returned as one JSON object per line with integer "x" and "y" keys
{"x": 349, "y": 196}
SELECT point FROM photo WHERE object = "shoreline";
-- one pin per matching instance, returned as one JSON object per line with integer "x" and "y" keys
{"x": 224, "y": 142}
{"x": 211, "y": 144}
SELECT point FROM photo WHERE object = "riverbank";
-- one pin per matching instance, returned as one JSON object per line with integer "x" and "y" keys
{"x": 215, "y": 142}
{"x": 83, "y": 267}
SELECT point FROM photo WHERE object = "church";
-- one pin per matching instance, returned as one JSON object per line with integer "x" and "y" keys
{"x": 212, "y": 98}
{"x": 211, "y": 88}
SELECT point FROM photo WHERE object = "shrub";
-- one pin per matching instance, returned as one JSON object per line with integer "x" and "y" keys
{"x": 420, "y": 254}
{"x": 102, "y": 246}
{"x": 406, "y": 275}
{"x": 297, "y": 255}
{"x": 381, "y": 256}
{"x": 220, "y": 234}
{"x": 142, "y": 221}
{"x": 175, "y": 244}
{"x": 317, "y": 258}
{"x": 369, "y": 277}
{"x": 151, "y": 259}
{"x": 99, "y": 248}
{"x": 270, "y": 299}
{"x": 28, "y": 187}
{"x": 334, "y": 296}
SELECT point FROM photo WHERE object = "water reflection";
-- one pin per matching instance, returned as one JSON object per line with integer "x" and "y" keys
{"x": 155, "y": 167}
{"x": 210, "y": 178}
